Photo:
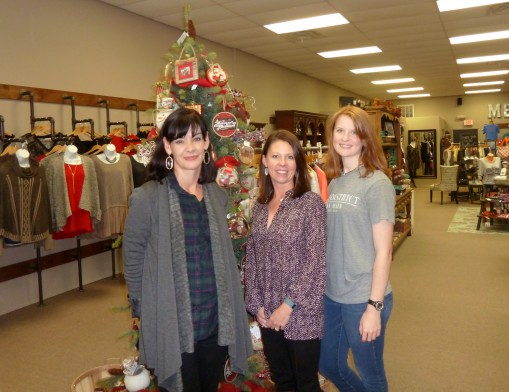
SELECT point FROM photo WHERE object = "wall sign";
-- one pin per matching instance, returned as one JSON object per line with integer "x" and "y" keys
{"x": 498, "y": 110}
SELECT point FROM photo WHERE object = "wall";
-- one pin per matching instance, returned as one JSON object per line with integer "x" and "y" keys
{"x": 474, "y": 107}
{"x": 87, "y": 46}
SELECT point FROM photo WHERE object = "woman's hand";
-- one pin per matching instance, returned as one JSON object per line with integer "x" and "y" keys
{"x": 260, "y": 317}
{"x": 280, "y": 317}
{"x": 370, "y": 327}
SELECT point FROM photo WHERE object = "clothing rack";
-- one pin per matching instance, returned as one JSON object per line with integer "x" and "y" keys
{"x": 73, "y": 116}
{"x": 110, "y": 123}
{"x": 34, "y": 119}
{"x": 138, "y": 123}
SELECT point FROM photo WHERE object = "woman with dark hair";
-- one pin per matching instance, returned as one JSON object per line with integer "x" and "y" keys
{"x": 180, "y": 268}
{"x": 360, "y": 221}
{"x": 285, "y": 268}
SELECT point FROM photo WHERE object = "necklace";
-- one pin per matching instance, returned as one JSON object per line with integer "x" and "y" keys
{"x": 349, "y": 171}
{"x": 110, "y": 160}
{"x": 72, "y": 173}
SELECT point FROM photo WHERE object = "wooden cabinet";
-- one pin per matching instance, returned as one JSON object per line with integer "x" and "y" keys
{"x": 404, "y": 217}
{"x": 307, "y": 126}
{"x": 388, "y": 127}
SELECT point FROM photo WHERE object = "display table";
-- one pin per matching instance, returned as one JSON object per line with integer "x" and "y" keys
{"x": 495, "y": 208}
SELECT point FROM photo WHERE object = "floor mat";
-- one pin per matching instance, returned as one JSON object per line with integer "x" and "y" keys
{"x": 465, "y": 221}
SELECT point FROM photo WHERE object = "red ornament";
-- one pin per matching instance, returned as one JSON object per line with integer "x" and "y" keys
{"x": 216, "y": 75}
{"x": 224, "y": 124}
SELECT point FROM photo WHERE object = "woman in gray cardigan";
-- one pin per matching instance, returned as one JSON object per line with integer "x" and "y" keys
{"x": 180, "y": 268}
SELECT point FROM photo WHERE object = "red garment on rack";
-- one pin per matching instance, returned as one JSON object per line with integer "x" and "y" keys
{"x": 322, "y": 183}
{"x": 79, "y": 222}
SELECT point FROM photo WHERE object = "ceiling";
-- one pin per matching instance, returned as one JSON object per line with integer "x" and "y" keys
{"x": 411, "y": 33}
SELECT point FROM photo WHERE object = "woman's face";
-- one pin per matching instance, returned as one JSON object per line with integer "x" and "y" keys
{"x": 187, "y": 152}
{"x": 345, "y": 139}
{"x": 281, "y": 163}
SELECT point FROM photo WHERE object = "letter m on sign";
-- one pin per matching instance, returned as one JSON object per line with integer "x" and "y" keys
{"x": 493, "y": 112}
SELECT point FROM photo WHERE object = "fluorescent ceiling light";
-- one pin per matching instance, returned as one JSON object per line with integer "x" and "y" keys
{"x": 483, "y": 59}
{"x": 350, "y": 52}
{"x": 495, "y": 90}
{"x": 483, "y": 83}
{"x": 402, "y": 90}
{"x": 482, "y": 74}
{"x": 414, "y": 96}
{"x": 315, "y": 22}
{"x": 465, "y": 39}
{"x": 393, "y": 81}
{"x": 376, "y": 69}
{"x": 451, "y": 5}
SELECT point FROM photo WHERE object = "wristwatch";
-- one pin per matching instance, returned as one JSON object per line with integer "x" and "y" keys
{"x": 379, "y": 305}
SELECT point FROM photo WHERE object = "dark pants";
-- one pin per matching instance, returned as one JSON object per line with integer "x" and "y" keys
{"x": 293, "y": 363}
{"x": 203, "y": 369}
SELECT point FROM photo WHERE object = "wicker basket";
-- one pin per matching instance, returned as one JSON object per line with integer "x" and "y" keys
{"x": 86, "y": 382}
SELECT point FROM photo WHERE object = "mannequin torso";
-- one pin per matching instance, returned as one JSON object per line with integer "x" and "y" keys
{"x": 71, "y": 156}
{"x": 110, "y": 155}
{"x": 23, "y": 157}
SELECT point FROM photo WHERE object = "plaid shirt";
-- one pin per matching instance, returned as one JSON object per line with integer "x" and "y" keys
{"x": 200, "y": 266}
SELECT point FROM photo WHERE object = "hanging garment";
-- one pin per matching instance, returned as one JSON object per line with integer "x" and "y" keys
{"x": 24, "y": 206}
{"x": 115, "y": 182}
{"x": 60, "y": 205}
{"x": 79, "y": 222}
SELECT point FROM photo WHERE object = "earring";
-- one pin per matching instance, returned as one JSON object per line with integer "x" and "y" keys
{"x": 206, "y": 157}
{"x": 169, "y": 162}
{"x": 266, "y": 171}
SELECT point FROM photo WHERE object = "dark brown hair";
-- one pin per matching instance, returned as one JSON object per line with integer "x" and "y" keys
{"x": 301, "y": 183}
{"x": 175, "y": 127}
{"x": 372, "y": 154}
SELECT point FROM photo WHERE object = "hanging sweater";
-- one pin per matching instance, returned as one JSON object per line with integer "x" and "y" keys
{"x": 24, "y": 207}
{"x": 57, "y": 188}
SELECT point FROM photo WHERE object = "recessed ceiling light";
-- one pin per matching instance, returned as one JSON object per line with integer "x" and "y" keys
{"x": 350, "y": 52}
{"x": 414, "y": 96}
{"x": 483, "y": 83}
{"x": 495, "y": 90}
{"x": 465, "y": 39}
{"x": 483, "y": 59}
{"x": 376, "y": 69}
{"x": 402, "y": 90}
{"x": 393, "y": 81}
{"x": 451, "y": 5}
{"x": 487, "y": 73}
{"x": 315, "y": 22}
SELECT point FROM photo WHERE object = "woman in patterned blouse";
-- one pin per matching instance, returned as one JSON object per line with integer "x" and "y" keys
{"x": 285, "y": 270}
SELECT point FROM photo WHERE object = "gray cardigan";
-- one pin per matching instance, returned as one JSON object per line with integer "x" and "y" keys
{"x": 154, "y": 279}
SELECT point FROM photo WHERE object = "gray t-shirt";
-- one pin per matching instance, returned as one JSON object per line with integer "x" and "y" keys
{"x": 353, "y": 206}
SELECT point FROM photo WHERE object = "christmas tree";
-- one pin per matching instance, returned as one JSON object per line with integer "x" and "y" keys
{"x": 193, "y": 78}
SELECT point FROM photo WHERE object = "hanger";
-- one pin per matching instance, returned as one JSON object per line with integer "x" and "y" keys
{"x": 95, "y": 150}
{"x": 9, "y": 150}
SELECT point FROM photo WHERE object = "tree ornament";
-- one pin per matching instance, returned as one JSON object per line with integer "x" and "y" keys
{"x": 238, "y": 226}
{"x": 136, "y": 377}
{"x": 224, "y": 124}
{"x": 216, "y": 75}
{"x": 246, "y": 153}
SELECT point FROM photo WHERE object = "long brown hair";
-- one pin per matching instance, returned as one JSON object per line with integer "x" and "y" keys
{"x": 301, "y": 182}
{"x": 372, "y": 154}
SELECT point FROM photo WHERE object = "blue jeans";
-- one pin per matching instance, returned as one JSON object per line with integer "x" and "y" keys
{"x": 341, "y": 333}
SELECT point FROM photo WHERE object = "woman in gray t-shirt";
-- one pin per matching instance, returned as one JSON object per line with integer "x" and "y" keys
{"x": 360, "y": 222}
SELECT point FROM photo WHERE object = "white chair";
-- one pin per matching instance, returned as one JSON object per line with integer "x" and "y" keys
{"x": 448, "y": 183}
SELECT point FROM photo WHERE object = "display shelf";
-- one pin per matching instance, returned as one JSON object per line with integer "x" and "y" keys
{"x": 387, "y": 125}
{"x": 404, "y": 217}
{"x": 307, "y": 126}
